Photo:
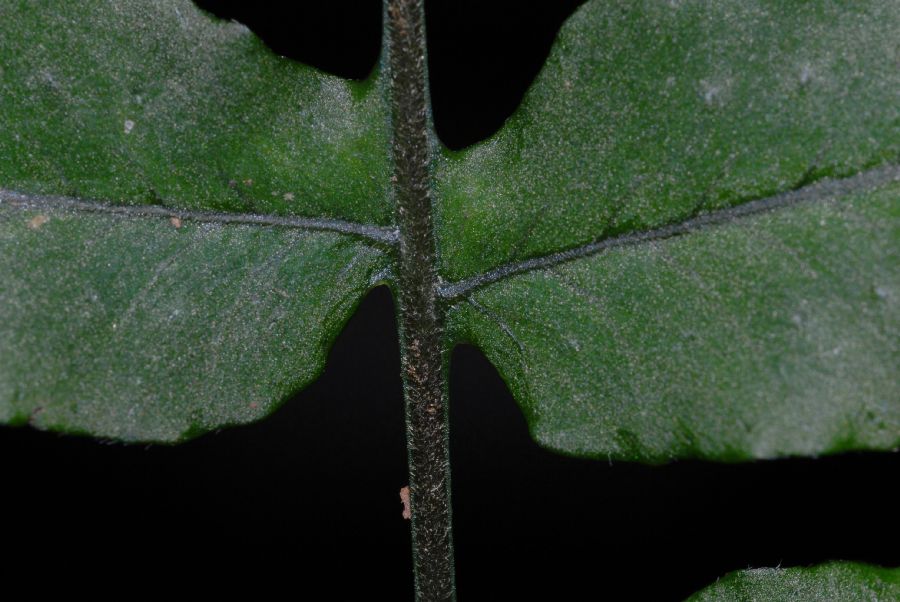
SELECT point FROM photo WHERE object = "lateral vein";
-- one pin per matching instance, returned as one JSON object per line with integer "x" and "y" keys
{"x": 22, "y": 200}
{"x": 826, "y": 188}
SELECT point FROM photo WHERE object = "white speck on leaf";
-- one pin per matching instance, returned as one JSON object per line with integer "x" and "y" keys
{"x": 129, "y": 125}
{"x": 710, "y": 92}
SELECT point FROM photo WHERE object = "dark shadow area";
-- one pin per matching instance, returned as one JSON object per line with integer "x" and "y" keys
{"x": 533, "y": 525}
{"x": 342, "y": 37}
{"x": 482, "y": 57}
{"x": 306, "y": 500}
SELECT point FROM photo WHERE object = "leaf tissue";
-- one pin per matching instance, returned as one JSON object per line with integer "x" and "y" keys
{"x": 683, "y": 244}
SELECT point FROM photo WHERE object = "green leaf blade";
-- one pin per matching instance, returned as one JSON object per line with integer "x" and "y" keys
{"x": 186, "y": 219}
{"x": 628, "y": 253}
{"x": 845, "y": 581}
{"x": 160, "y": 103}
{"x": 770, "y": 335}
{"x": 647, "y": 113}
{"x": 134, "y": 329}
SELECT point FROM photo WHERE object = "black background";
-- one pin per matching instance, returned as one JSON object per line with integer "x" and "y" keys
{"x": 304, "y": 504}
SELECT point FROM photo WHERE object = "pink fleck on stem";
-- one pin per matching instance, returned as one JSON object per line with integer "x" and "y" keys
{"x": 404, "y": 499}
